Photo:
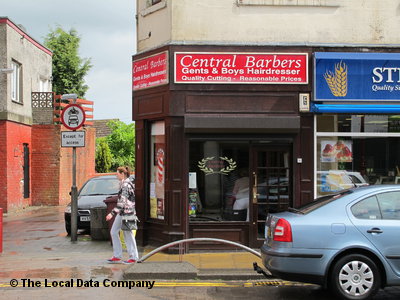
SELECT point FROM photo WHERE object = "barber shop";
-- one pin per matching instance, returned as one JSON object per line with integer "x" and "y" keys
{"x": 357, "y": 116}
{"x": 223, "y": 136}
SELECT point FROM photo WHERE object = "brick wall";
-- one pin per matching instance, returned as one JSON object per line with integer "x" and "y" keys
{"x": 3, "y": 166}
{"x": 13, "y": 136}
{"x": 52, "y": 165}
{"x": 42, "y": 115}
{"x": 45, "y": 164}
{"x": 50, "y": 169}
{"x": 85, "y": 165}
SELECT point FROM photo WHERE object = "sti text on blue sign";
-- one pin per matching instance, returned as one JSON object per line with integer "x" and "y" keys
{"x": 356, "y": 76}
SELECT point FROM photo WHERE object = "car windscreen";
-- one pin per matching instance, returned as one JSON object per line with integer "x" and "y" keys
{"x": 321, "y": 201}
{"x": 103, "y": 186}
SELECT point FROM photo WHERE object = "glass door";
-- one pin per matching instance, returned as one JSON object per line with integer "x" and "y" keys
{"x": 271, "y": 181}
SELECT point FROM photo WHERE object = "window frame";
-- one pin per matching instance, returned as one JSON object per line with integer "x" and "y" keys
{"x": 16, "y": 82}
{"x": 334, "y": 134}
{"x": 366, "y": 209}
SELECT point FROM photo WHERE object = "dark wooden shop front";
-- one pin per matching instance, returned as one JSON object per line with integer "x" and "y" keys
{"x": 213, "y": 159}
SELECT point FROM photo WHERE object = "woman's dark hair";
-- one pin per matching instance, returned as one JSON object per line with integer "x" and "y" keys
{"x": 124, "y": 170}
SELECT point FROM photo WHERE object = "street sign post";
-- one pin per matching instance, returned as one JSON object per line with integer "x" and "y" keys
{"x": 73, "y": 117}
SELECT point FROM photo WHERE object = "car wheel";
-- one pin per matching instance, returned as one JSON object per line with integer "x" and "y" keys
{"x": 355, "y": 277}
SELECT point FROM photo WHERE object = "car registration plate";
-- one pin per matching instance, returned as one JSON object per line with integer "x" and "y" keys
{"x": 85, "y": 218}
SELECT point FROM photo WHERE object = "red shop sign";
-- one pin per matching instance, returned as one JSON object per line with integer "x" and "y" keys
{"x": 150, "y": 71}
{"x": 241, "y": 68}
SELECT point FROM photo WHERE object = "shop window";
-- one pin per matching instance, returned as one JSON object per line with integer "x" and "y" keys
{"x": 358, "y": 123}
{"x": 157, "y": 171}
{"x": 218, "y": 181}
{"x": 356, "y": 150}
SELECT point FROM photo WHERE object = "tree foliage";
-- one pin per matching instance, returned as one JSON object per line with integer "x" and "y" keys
{"x": 69, "y": 69}
{"x": 103, "y": 156}
{"x": 121, "y": 143}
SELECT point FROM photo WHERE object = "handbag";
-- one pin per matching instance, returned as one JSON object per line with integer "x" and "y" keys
{"x": 129, "y": 222}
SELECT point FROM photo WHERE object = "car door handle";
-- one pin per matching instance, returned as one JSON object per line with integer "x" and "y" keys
{"x": 375, "y": 230}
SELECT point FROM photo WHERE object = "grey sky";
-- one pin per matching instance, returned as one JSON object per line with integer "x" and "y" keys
{"x": 108, "y": 35}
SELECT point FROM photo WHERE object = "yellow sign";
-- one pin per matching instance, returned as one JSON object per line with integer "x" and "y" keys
{"x": 337, "y": 81}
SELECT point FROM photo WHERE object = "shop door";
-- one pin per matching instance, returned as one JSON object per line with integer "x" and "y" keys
{"x": 271, "y": 181}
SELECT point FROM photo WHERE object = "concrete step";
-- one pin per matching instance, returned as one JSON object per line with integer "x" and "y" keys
{"x": 229, "y": 274}
{"x": 161, "y": 270}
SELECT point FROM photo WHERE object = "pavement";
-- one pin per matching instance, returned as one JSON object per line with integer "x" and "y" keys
{"x": 36, "y": 245}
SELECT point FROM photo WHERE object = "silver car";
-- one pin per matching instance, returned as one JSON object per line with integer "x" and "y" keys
{"x": 348, "y": 242}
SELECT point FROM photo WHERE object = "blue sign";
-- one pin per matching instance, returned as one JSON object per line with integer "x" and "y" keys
{"x": 343, "y": 76}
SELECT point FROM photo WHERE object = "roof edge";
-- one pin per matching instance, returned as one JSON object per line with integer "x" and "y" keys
{"x": 7, "y": 21}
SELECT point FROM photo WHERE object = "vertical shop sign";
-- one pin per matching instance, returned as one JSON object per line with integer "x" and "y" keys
{"x": 150, "y": 71}
{"x": 241, "y": 68}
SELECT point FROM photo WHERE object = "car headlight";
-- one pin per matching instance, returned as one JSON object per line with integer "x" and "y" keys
{"x": 68, "y": 209}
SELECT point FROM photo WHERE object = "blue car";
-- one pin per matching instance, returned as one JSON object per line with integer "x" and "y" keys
{"x": 348, "y": 242}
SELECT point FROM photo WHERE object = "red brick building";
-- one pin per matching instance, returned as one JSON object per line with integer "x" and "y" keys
{"x": 34, "y": 169}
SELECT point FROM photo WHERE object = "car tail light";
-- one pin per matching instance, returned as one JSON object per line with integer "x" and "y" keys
{"x": 283, "y": 231}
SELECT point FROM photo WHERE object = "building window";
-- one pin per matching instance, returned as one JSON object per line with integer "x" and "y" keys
{"x": 153, "y": 6}
{"x": 157, "y": 170}
{"x": 218, "y": 181}
{"x": 356, "y": 150}
{"x": 43, "y": 85}
{"x": 16, "y": 86}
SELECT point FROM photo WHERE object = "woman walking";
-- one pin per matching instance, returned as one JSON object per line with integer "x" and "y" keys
{"x": 125, "y": 205}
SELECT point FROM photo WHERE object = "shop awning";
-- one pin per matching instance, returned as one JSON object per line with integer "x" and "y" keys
{"x": 356, "y": 108}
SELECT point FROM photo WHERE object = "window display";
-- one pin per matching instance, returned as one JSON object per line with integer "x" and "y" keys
{"x": 219, "y": 182}
{"x": 157, "y": 170}
{"x": 356, "y": 150}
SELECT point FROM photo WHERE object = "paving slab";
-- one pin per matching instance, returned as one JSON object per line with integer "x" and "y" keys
{"x": 161, "y": 270}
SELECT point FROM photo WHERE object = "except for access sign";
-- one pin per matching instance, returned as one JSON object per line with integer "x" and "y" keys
{"x": 73, "y": 139}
